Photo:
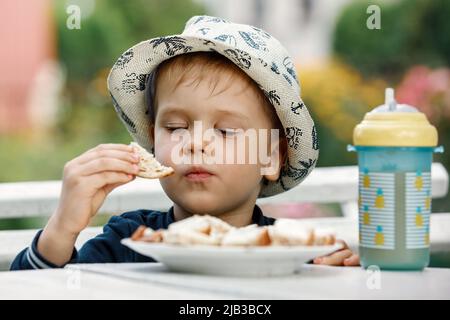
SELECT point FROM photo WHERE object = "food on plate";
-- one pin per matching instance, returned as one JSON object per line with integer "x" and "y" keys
{"x": 290, "y": 232}
{"x": 251, "y": 235}
{"x": 324, "y": 237}
{"x": 208, "y": 230}
{"x": 187, "y": 237}
{"x": 149, "y": 167}
{"x": 143, "y": 233}
{"x": 197, "y": 229}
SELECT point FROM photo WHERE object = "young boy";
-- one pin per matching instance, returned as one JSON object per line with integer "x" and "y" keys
{"x": 217, "y": 76}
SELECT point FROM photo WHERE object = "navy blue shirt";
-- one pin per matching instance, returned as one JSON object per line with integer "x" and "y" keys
{"x": 106, "y": 247}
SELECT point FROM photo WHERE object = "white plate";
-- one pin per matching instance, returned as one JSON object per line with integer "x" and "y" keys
{"x": 230, "y": 261}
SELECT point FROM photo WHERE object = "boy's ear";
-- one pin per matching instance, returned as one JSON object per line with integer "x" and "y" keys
{"x": 277, "y": 158}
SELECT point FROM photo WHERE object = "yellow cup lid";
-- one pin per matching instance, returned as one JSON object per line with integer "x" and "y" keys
{"x": 396, "y": 125}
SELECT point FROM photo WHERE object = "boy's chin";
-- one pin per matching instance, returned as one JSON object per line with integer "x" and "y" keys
{"x": 206, "y": 204}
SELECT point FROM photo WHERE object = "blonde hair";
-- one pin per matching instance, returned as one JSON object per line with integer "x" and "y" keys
{"x": 192, "y": 68}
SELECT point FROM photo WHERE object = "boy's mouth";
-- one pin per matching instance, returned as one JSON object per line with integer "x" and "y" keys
{"x": 198, "y": 174}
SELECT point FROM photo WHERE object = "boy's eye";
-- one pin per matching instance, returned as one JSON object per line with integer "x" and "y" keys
{"x": 172, "y": 128}
{"x": 227, "y": 132}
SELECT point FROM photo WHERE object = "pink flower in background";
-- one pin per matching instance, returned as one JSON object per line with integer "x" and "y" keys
{"x": 428, "y": 90}
{"x": 297, "y": 210}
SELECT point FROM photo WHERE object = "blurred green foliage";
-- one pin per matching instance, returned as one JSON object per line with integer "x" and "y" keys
{"x": 412, "y": 32}
{"x": 113, "y": 27}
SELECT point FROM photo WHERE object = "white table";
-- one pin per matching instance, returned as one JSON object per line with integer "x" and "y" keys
{"x": 13, "y": 241}
{"x": 153, "y": 281}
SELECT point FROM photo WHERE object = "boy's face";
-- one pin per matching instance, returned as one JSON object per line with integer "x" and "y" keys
{"x": 210, "y": 188}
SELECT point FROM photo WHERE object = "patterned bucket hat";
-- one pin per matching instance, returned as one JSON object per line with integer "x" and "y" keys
{"x": 253, "y": 50}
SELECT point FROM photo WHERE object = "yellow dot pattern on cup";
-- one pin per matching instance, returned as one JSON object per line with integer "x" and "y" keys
{"x": 418, "y": 209}
{"x": 366, "y": 182}
{"x": 366, "y": 216}
{"x": 379, "y": 236}
{"x": 428, "y": 201}
{"x": 379, "y": 200}
{"x": 419, "y": 181}
{"x": 419, "y": 218}
{"x": 376, "y": 209}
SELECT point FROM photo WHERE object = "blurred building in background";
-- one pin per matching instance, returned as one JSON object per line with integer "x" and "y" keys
{"x": 304, "y": 27}
{"x": 27, "y": 63}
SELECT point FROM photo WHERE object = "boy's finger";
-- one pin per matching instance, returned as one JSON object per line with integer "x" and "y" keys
{"x": 335, "y": 259}
{"x": 111, "y": 146}
{"x": 343, "y": 244}
{"x": 352, "y": 261}
{"x": 105, "y": 178}
{"x": 117, "y": 154}
{"x": 107, "y": 164}
{"x": 110, "y": 187}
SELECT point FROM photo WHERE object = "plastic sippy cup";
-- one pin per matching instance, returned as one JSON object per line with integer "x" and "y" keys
{"x": 395, "y": 145}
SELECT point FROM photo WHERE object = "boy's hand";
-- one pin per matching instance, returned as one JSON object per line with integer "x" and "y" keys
{"x": 342, "y": 257}
{"x": 88, "y": 179}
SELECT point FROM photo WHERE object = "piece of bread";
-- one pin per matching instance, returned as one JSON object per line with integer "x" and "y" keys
{"x": 188, "y": 237}
{"x": 203, "y": 230}
{"x": 324, "y": 237}
{"x": 289, "y": 232}
{"x": 146, "y": 234}
{"x": 149, "y": 167}
{"x": 217, "y": 226}
{"x": 196, "y": 223}
{"x": 139, "y": 233}
{"x": 251, "y": 235}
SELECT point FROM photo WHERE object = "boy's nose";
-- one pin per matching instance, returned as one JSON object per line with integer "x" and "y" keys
{"x": 193, "y": 147}
{"x": 196, "y": 152}
{"x": 197, "y": 140}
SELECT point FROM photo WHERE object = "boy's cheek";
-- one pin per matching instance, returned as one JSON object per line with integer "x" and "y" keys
{"x": 232, "y": 173}
{"x": 163, "y": 150}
